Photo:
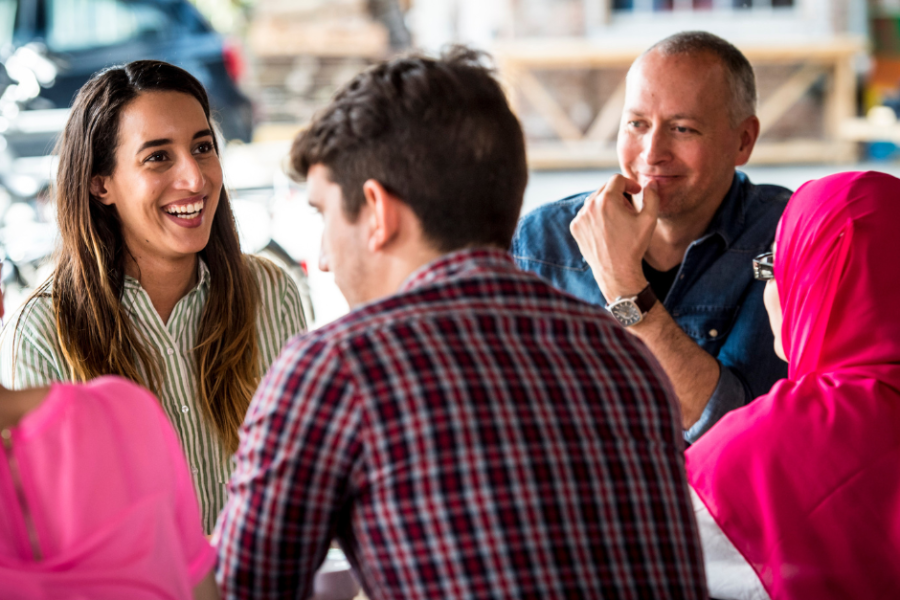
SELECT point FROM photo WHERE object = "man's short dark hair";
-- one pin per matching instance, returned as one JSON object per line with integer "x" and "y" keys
{"x": 738, "y": 72}
{"x": 438, "y": 134}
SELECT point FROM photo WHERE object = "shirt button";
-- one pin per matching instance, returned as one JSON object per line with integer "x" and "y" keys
{"x": 170, "y": 351}
{"x": 713, "y": 333}
{"x": 195, "y": 470}
{"x": 681, "y": 276}
{"x": 184, "y": 408}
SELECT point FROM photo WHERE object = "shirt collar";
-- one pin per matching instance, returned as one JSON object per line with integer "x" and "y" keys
{"x": 728, "y": 221}
{"x": 454, "y": 264}
{"x": 202, "y": 278}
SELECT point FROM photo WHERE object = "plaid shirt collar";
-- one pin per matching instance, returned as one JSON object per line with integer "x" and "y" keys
{"x": 452, "y": 265}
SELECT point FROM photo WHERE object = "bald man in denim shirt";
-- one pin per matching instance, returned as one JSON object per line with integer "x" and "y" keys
{"x": 667, "y": 246}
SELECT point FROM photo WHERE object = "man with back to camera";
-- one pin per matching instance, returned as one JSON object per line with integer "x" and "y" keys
{"x": 466, "y": 431}
{"x": 689, "y": 119}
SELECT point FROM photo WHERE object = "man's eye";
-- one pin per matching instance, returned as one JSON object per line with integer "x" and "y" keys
{"x": 680, "y": 129}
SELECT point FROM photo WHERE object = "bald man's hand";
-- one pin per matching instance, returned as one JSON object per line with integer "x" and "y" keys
{"x": 613, "y": 233}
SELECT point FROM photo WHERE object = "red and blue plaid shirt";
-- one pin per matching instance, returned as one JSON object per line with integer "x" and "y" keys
{"x": 477, "y": 435}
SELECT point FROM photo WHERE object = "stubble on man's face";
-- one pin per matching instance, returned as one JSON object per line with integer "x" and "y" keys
{"x": 343, "y": 251}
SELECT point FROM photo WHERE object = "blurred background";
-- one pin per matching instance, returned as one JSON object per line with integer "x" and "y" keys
{"x": 828, "y": 74}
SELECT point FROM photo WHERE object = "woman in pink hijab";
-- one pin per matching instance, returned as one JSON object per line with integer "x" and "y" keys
{"x": 804, "y": 482}
{"x": 96, "y": 500}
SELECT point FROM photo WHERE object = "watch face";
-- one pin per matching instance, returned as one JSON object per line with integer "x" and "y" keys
{"x": 626, "y": 312}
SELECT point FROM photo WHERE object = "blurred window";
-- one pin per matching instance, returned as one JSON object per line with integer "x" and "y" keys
{"x": 7, "y": 20}
{"x": 84, "y": 24}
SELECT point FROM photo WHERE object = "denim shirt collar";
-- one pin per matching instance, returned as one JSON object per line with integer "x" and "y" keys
{"x": 728, "y": 221}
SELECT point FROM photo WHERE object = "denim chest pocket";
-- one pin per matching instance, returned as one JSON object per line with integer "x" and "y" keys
{"x": 708, "y": 326}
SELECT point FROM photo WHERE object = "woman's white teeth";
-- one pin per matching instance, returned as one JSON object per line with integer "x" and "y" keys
{"x": 186, "y": 211}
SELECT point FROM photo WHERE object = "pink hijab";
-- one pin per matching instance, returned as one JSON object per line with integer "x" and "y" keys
{"x": 805, "y": 481}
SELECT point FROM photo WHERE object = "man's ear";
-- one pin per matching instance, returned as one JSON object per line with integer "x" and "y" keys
{"x": 384, "y": 214}
{"x": 749, "y": 132}
{"x": 99, "y": 191}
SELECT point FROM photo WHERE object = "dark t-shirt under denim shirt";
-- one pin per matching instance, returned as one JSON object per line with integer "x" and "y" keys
{"x": 714, "y": 298}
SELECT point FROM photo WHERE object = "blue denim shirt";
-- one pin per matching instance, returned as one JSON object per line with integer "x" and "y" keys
{"x": 714, "y": 299}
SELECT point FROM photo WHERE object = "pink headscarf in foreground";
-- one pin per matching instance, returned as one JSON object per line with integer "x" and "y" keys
{"x": 805, "y": 481}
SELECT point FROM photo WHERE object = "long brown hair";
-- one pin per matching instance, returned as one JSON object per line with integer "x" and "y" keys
{"x": 94, "y": 327}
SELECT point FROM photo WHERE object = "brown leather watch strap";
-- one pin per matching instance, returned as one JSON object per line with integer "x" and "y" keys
{"x": 646, "y": 299}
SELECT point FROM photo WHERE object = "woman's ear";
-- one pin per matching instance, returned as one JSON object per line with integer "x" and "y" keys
{"x": 99, "y": 191}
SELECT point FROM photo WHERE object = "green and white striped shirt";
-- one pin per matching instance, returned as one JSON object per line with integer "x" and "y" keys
{"x": 32, "y": 358}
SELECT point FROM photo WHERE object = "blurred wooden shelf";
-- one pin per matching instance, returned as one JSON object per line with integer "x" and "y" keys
{"x": 823, "y": 64}
{"x": 549, "y": 156}
{"x": 352, "y": 37}
{"x": 277, "y": 132}
{"x": 863, "y": 130}
{"x": 580, "y": 53}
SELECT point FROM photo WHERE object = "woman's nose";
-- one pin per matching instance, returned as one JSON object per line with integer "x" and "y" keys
{"x": 190, "y": 174}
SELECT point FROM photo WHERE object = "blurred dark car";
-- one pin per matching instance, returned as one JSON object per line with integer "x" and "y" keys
{"x": 84, "y": 36}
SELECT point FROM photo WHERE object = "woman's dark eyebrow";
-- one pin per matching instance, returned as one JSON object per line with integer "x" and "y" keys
{"x": 164, "y": 141}
{"x": 152, "y": 143}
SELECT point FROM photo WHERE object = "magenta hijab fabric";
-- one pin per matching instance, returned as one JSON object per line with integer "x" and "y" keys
{"x": 98, "y": 472}
{"x": 805, "y": 481}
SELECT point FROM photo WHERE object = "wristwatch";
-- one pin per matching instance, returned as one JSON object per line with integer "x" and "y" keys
{"x": 630, "y": 311}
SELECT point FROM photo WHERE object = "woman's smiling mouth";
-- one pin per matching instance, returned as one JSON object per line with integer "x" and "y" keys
{"x": 186, "y": 213}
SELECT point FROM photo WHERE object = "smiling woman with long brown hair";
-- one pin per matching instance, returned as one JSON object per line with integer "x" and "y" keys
{"x": 150, "y": 282}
